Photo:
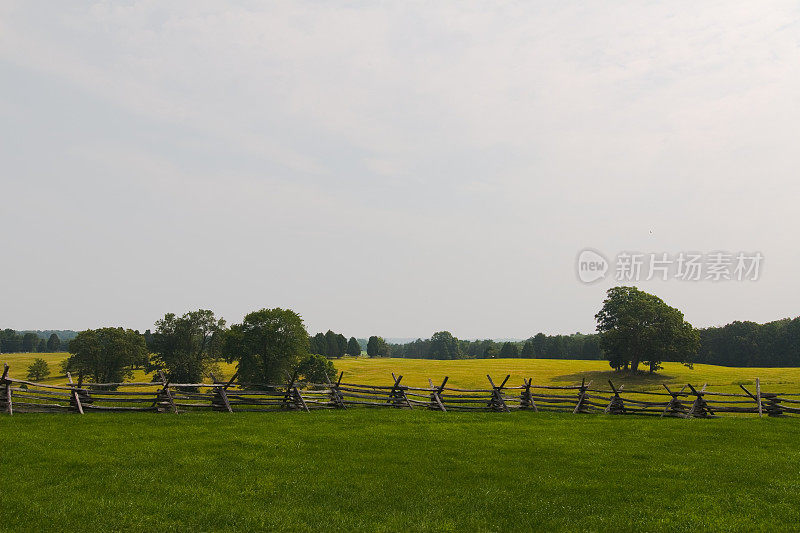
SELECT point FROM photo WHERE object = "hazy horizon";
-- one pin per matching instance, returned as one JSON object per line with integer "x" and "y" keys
{"x": 392, "y": 169}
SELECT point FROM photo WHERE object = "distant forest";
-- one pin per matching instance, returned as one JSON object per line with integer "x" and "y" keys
{"x": 443, "y": 346}
{"x": 745, "y": 344}
{"x": 12, "y": 341}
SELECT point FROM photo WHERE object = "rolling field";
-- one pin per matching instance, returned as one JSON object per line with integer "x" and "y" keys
{"x": 472, "y": 373}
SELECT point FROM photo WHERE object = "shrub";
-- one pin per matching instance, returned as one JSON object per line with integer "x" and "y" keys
{"x": 38, "y": 370}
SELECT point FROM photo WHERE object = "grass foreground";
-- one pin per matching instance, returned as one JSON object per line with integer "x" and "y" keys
{"x": 393, "y": 470}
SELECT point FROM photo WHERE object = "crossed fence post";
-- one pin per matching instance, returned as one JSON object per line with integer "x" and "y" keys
{"x": 5, "y": 401}
{"x": 526, "y": 398}
{"x": 616, "y": 406}
{"x": 581, "y": 405}
{"x": 397, "y": 396}
{"x": 220, "y": 400}
{"x": 497, "y": 403}
{"x": 337, "y": 398}
{"x": 700, "y": 407}
{"x": 293, "y": 399}
{"x": 436, "y": 395}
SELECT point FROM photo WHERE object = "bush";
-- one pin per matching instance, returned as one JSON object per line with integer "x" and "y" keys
{"x": 315, "y": 368}
{"x": 38, "y": 370}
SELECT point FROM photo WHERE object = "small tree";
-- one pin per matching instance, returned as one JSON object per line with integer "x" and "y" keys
{"x": 353, "y": 347}
{"x": 38, "y": 370}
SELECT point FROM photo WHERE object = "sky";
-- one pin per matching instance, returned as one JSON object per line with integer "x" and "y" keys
{"x": 392, "y": 168}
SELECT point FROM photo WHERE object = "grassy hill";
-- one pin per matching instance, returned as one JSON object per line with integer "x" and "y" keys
{"x": 472, "y": 372}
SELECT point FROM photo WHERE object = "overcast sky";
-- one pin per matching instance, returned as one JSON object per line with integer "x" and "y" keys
{"x": 391, "y": 168}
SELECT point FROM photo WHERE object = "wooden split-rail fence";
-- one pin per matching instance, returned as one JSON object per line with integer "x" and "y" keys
{"x": 19, "y": 396}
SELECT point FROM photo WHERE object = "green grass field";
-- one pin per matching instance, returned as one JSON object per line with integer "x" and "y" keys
{"x": 392, "y": 470}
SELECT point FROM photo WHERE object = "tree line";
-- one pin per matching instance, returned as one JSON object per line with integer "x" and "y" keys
{"x": 750, "y": 344}
{"x": 12, "y": 341}
{"x": 634, "y": 328}
{"x": 443, "y": 345}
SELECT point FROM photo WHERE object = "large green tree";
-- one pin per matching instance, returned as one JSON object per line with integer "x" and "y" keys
{"x": 527, "y": 349}
{"x": 353, "y": 347}
{"x": 509, "y": 349}
{"x": 105, "y": 355}
{"x": 30, "y": 341}
{"x": 539, "y": 345}
{"x": 444, "y": 346}
{"x": 53, "y": 343}
{"x": 10, "y": 342}
{"x": 377, "y": 347}
{"x": 267, "y": 343}
{"x": 637, "y": 327}
{"x": 185, "y": 347}
{"x": 318, "y": 344}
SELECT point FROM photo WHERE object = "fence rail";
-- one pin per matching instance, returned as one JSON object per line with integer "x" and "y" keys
{"x": 18, "y": 396}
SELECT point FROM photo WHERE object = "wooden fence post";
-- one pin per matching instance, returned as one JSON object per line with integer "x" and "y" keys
{"x": 293, "y": 399}
{"x": 526, "y": 398}
{"x": 773, "y": 406}
{"x": 397, "y": 396}
{"x": 289, "y": 387}
{"x": 674, "y": 406}
{"x": 758, "y": 396}
{"x": 580, "y": 407}
{"x": 165, "y": 393}
{"x": 5, "y": 401}
{"x": 337, "y": 398}
{"x": 436, "y": 395}
{"x": 497, "y": 403}
{"x": 220, "y": 399}
{"x": 616, "y": 406}
{"x": 75, "y": 400}
{"x": 700, "y": 407}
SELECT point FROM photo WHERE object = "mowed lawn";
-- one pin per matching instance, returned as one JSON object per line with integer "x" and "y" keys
{"x": 472, "y": 373}
{"x": 395, "y": 470}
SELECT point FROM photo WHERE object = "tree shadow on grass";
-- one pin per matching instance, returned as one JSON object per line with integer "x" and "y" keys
{"x": 601, "y": 377}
